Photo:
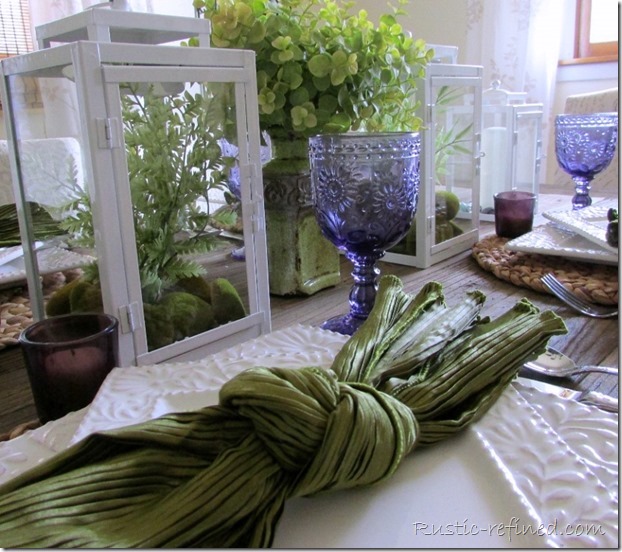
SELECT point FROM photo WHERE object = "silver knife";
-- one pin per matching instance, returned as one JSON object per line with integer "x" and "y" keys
{"x": 602, "y": 401}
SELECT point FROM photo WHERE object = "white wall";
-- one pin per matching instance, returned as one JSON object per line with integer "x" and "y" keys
{"x": 172, "y": 7}
{"x": 435, "y": 21}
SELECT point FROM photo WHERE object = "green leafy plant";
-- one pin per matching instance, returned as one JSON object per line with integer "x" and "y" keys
{"x": 173, "y": 160}
{"x": 321, "y": 68}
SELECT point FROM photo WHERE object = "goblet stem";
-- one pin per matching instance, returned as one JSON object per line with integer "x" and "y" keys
{"x": 365, "y": 275}
{"x": 581, "y": 197}
{"x": 362, "y": 294}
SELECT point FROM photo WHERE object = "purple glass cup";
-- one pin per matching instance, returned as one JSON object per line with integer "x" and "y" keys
{"x": 67, "y": 359}
{"x": 514, "y": 212}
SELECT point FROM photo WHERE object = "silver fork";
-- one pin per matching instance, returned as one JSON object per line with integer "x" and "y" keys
{"x": 557, "y": 288}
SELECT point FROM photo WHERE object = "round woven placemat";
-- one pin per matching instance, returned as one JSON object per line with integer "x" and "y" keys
{"x": 594, "y": 282}
{"x": 15, "y": 311}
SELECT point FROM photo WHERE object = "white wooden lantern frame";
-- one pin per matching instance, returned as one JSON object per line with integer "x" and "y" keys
{"x": 113, "y": 25}
{"x": 98, "y": 69}
{"x": 427, "y": 251}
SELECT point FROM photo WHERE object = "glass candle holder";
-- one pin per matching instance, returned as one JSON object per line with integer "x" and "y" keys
{"x": 514, "y": 212}
{"x": 67, "y": 359}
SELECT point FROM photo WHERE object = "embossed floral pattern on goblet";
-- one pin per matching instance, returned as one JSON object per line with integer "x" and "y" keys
{"x": 584, "y": 146}
{"x": 365, "y": 188}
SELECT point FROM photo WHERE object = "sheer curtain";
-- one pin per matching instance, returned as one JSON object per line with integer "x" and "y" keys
{"x": 518, "y": 42}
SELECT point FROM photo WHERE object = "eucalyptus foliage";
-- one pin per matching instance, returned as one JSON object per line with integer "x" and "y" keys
{"x": 322, "y": 68}
{"x": 173, "y": 160}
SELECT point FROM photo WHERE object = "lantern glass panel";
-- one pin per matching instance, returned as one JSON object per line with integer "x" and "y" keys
{"x": 445, "y": 222}
{"x": 184, "y": 180}
{"x": 528, "y": 147}
{"x": 496, "y": 150}
{"x": 453, "y": 131}
{"x": 50, "y": 176}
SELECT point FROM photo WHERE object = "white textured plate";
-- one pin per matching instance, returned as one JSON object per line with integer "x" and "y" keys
{"x": 508, "y": 481}
{"x": 576, "y": 507}
{"x": 590, "y": 222}
{"x": 50, "y": 259}
{"x": 133, "y": 395}
{"x": 452, "y": 495}
{"x": 551, "y": 239}
{"x": 22, "y": 453}
{"x": 591, "y": 433}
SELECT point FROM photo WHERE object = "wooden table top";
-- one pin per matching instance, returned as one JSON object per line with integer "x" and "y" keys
{"x": 589, "y": 340}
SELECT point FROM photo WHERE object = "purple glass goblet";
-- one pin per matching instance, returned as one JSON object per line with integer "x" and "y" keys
{"x": 584, "y": 146}
{"x": 365, "y": 188}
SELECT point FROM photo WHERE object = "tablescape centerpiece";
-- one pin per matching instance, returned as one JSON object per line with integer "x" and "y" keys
{"x": 415, "y": 373}
{"x": 365, "y": 188}
{"x": 584, "y": 146}
{"x": 320, "y": 69}
{"x": 170, "y": 228}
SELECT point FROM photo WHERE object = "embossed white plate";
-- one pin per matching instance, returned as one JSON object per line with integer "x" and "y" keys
{"x": 590, "y": 222}
{"x": 452, "y": 495}
{"x": 577, "y": 508}
{"x": 551, "y": 239}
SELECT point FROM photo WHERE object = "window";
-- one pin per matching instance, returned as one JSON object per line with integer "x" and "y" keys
{"x": 16, "y": 39}
{"x": 597, "y": 30}
{"x": 15, "y": 32}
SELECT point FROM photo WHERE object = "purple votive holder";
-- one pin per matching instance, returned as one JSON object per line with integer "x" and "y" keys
{"x": 514, "y": 212}
{"x": 67, "y": 359}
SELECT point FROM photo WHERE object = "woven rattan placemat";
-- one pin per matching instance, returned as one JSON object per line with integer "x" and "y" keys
{"x": 15, "y": 312}
{"x": 596, "y": 283}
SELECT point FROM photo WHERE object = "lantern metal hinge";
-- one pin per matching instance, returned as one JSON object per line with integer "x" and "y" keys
{"x": 128, "y": 317}
{"x": 430, "y": 112}
{"x": 259, "y": 219}
{"x": 249, "y": 173}
{"x": 109, "y": 134}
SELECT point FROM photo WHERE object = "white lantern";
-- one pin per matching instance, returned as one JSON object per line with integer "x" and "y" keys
{"x": 445, "y": 222}
{"x": 133, "y": 174}
{"x": 511, "y": 145}
{"x": 116, "y": 25}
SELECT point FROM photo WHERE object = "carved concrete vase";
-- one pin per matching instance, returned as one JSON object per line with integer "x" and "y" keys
{"x": 300, "y": 260}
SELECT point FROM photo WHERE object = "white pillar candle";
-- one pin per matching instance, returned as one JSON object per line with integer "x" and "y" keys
{"x": 493, "y": 167}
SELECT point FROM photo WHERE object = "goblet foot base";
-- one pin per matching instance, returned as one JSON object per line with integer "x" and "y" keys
{"x": 345, "y": 324}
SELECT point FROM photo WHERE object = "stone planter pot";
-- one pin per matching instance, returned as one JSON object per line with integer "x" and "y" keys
{"x": 300, "y": 260}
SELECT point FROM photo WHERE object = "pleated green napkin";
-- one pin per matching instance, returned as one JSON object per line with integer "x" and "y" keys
{"x": 415, "y": 373}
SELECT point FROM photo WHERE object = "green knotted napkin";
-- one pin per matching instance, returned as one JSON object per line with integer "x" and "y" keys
{"x": 415, "y": 373}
